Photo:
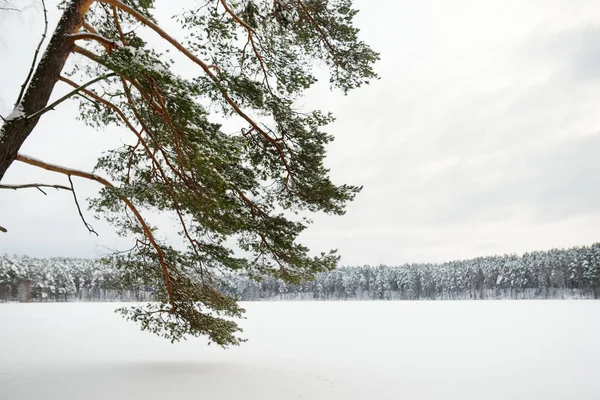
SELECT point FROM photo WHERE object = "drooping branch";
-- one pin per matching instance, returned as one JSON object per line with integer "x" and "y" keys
{"x": 180, "y": 174}
{"x": 35, "y": 55}
{"x": 119, "y": 112}
{"x": 206, "y": 68}
{"x": 39, "y": 187}
{"x": 146, "y": 229}
{"x": 87, "y": 225}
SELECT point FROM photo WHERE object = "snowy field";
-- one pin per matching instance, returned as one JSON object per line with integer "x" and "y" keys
{"x": 311, "y": 350}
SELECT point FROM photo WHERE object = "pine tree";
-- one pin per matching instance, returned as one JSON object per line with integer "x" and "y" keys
{"x": 254, "y": 59}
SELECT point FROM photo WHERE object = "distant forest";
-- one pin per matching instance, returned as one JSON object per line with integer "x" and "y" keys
{"x": 553, "y": 274}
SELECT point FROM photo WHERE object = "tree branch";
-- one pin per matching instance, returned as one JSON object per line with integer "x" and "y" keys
{"x": 35, "y": 56}
{"x": 34, "y": 185}
{"x": 2, "y": 229}
{"x": 88, "y": 226}
{"x": 108, "y": 44}
{"x": 118, "y": 24}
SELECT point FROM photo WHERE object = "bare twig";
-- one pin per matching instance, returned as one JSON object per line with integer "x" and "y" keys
{"x": 35, "y": 56}
{"x": 34, "y": 185}
{"x": 87, "y": 225}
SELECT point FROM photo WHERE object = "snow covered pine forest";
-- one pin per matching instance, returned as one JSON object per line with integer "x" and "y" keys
{"x": 553, "y": 274}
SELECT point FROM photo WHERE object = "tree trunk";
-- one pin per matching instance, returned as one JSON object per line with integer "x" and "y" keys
{"x": 14, "y": 131}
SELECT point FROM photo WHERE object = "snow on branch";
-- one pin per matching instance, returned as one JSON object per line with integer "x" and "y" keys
{"x": 108, "y": 44}
{"x": 37, "y": 186}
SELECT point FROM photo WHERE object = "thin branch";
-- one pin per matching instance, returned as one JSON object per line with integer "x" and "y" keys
{"x": 87, "y": 53}
{"x": 34, "y": 185}
{"x": 35, "y": 56}
{"x": 68, "y": 95}
{"x": 88, "y": 226}
{"x": 118, "y": 24}
{"x": 2, "y": 229}
{"x": 62, "y": 170}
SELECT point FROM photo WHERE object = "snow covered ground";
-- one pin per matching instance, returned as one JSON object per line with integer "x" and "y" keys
{"x": 311, "y": 350}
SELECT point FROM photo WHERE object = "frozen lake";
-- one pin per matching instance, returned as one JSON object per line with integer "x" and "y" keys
{"x": 311, "y": 350}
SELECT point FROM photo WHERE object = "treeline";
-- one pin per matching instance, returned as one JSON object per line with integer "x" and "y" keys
{"x": 554, "y": 274}
{"x": 25, "y": 278}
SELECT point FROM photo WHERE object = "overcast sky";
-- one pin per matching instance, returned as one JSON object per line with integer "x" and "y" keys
{"x": 482, "y": 136}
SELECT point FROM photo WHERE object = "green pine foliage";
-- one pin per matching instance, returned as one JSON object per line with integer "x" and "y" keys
{"x": 240, "y": 198}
